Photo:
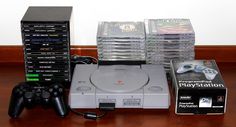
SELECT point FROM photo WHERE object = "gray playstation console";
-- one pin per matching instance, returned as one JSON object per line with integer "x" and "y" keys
{"x": 127, "y": 86}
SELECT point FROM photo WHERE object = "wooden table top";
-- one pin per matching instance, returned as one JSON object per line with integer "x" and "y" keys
{"x": 11, "y": 74}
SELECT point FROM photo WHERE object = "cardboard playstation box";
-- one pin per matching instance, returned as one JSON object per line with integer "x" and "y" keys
{"x": 199, "y": 87}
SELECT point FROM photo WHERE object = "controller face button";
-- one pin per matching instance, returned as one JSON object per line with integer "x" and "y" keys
{"x": 50, "y": 90}
{"x": 60, "y": 90}
{"x": 55, "y": 93}
{"x": 56, "y": 87}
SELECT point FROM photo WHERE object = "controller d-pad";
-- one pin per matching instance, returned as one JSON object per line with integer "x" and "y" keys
{"x": 19, "y": 92}
{"x": 55, "y": 86}
{"x": 28, "y": 95}
{"x": 50, "y": 90}
{"x": 21, "y": 87}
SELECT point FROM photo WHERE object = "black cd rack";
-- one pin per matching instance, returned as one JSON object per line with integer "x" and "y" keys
{"x": 46, "y": 40}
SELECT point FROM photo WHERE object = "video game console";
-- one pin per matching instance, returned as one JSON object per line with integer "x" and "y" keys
{"x": 126, "y": 86}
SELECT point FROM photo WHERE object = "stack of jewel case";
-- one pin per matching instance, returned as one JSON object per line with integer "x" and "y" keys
{"x": 169, "y": 39}
{"x": 121, "y": 41}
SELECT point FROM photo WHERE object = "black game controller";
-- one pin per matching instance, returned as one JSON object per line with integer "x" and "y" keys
{"x": 26, "y": 95}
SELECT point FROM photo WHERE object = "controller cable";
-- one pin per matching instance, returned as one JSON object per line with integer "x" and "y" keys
{"x": 89, "y": 115}
{"x": 104, "y": 107}
{"x": 76, "y": 59}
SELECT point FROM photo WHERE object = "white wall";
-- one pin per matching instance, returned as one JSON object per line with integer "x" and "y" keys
{"x": 214, "y": 21}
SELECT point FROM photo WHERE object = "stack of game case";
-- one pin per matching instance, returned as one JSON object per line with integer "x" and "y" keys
{"x": 169, "y": 39}
{"x": 46, "y": 43}
{"x": 121, "y": 41}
